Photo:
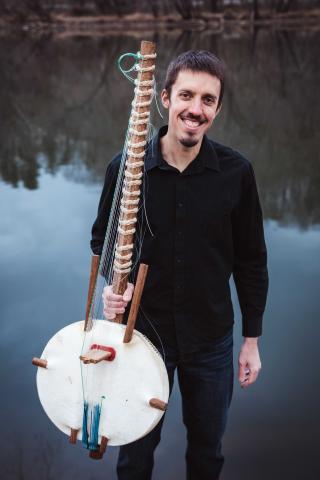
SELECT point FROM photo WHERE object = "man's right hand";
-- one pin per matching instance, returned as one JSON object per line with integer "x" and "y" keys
{"x": 114, "y": 304}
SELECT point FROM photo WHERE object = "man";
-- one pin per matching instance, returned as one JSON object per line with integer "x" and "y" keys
{"x": 204, "y": 223}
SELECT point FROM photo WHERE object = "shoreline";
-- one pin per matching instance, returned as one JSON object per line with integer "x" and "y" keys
{"x": 216, "y": 23}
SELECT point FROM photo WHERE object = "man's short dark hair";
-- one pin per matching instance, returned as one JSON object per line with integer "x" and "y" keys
{"x": 196, "y": 61}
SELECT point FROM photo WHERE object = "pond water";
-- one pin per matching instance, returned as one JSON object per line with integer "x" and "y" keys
{"x": 64, "y": 111}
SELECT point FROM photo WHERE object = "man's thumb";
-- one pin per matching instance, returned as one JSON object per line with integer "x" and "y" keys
{"x": 128, "y": 293}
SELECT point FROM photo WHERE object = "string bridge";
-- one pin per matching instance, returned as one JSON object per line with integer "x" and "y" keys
{"x": 98, "y": 353}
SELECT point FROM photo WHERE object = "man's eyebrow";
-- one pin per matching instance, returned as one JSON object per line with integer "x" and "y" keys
{"x": 185, "y": 90}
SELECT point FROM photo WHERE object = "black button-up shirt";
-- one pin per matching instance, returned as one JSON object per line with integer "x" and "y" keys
{"x": 199, "y": 227}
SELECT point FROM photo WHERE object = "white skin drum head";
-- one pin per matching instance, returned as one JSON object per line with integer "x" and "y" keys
{"x": 123, "y": 387}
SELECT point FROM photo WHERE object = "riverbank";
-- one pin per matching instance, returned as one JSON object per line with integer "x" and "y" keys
{"x": 229, "y": 19}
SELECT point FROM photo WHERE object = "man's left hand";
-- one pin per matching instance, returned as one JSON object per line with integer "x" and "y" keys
{"x": 249, "y": 362}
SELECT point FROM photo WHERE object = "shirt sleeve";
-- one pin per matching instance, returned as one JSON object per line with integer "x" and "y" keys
{"x": 100, "y": 225}
{"x": 250, "y": 257}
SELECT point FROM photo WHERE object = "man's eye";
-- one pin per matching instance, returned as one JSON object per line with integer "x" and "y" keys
{"x": 209, "y": 101}
{"x": 184, "y": 95}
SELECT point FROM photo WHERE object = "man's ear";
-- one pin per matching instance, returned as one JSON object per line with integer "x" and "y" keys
{"x": 165, "y": 98}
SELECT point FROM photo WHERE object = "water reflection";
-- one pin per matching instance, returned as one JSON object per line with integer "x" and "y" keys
{"x": 64, "y": 111}
{"x": 43, "y": 276}
{"x": 64, "y": 102}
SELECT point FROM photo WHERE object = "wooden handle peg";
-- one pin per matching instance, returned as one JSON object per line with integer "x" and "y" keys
{"x": 159, "y": 404}
{"x": 98, "y": 454}
{"x": 73, "y": 435}
{"x": 39, "y": 362}
{"x": 95, "y": 454}
{"x": 103, "y": 445}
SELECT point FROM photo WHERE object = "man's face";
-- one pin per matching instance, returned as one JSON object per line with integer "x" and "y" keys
{"x": 192, "y": 105}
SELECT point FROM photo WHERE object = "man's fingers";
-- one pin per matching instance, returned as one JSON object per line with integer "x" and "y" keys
{"x": 249, "y": 362}
{"x": 118, "y": 304}
{"x": 253, "y": 374}
{"x": 112, "y": 312}
{"x": 242, "y": 373}
{"x": 251, "y": 377}
{"x": 114, "y": 304}
{"x": 128, "y": 293}
{"x": 108, "y": 294}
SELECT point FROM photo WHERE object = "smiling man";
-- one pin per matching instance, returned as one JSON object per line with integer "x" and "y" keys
{"x": 193, "y": 103}
{"x": 203, "y": 224}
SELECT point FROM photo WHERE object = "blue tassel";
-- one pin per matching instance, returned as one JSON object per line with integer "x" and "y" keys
{"x": 91, "y": 442}
{"x": 85, "y": 439}
{"x": 94, "y": 433}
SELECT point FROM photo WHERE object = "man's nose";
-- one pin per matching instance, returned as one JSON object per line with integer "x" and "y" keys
{"x": 195, "y": 108}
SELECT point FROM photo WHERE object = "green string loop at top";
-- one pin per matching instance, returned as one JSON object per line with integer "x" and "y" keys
{"x": 125, "y": 72}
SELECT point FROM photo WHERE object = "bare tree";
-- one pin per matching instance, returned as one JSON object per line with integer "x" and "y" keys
{"x": 283, "y": 6}
{"x": 255, "y": 9}
{"x": 184, "y": 8}
{"x": 37, "y": 8}
{"x": 155, "y": 7}
{"x": 105, "y": 6}
{"x": 22, "y": 10}
{"x": 214, "y": 5}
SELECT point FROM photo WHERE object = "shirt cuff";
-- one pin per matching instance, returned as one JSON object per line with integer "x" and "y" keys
{"x": 252, "y": 327}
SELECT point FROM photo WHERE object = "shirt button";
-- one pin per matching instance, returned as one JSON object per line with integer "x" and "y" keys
{"x": 178, "y": 260}
{"x": 180, "y": 204}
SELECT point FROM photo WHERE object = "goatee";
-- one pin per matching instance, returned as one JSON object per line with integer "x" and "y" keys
{"x": 188, "y": 142}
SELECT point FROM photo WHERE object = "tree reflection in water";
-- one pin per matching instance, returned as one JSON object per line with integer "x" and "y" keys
{"x": 63, "y": 102}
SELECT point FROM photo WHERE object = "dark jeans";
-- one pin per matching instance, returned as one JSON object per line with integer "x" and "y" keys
{"x": 206, "y": 384}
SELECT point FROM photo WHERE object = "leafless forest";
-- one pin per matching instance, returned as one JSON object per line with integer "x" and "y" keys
{"x": 51, "y": 11}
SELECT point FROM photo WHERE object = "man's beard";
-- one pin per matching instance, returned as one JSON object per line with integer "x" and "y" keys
{"x": 188, "y": 142}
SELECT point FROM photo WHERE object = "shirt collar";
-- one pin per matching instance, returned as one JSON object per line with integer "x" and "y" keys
{"x": 207, "y": 156}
